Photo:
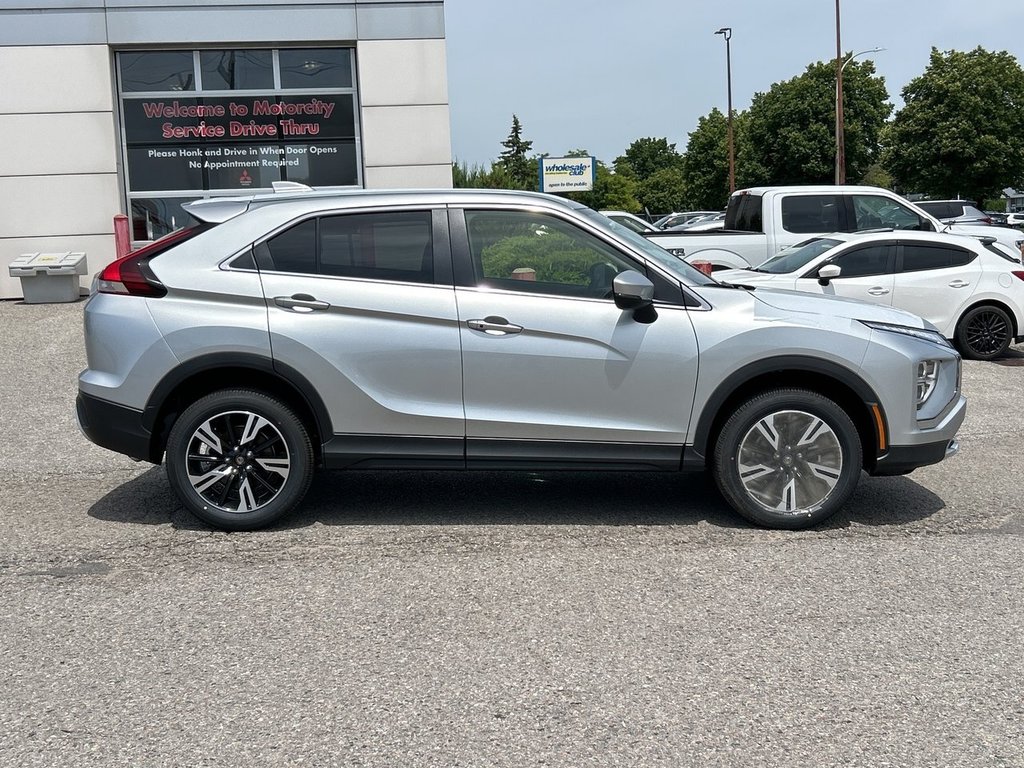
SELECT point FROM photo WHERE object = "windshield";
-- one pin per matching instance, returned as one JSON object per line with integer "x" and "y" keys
{"x": 655, "y": 253}
{"x": 792, "y": 259}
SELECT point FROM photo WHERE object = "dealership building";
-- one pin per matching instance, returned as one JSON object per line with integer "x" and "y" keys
{"x": 135, "y": 106}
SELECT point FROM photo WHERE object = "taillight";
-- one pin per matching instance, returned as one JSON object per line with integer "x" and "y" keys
{"x": 130, "y": 275}
{"x": 1018, "y": 274}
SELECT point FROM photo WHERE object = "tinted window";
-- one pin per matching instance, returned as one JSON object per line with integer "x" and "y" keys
{"x": 294, "y": 250}
{"x": 378, "y": 246}
{"x": 921, "y": 256}
{"x": 744, "y": 214}
{"x": 535, "y": 253}
{"x": 236, "y": 70}
{"x": 315, "y": 68}
{"x": 811, "y": 213}
{"x": 793, "y": 258}
{"x": 864, "y": 261}
{"x": 876, "y": 212}
{"x": 157, "y": 71}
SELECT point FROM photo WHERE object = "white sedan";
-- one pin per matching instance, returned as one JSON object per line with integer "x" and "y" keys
{"x": 970, "y": 289}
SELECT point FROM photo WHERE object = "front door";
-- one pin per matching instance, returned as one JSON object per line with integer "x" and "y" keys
{"x": 552, "y": 369}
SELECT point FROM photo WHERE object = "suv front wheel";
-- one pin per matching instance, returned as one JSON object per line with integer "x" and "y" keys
{"x": 239, "y": 459}
{"x": 788, "y": 458}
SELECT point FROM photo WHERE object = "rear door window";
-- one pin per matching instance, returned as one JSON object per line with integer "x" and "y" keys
{"x": 808, "y": 214}
{"x": 917, "y": 257}
{"x": 374, "y": 246}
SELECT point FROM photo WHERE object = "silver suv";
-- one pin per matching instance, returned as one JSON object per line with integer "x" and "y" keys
{"x": 463, "y": 329}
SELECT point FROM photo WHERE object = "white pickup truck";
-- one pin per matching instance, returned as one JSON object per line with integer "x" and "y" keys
{"x": 761, "y": 221}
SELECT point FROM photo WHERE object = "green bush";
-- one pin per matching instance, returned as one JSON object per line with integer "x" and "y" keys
{"x": 555, "y": 257}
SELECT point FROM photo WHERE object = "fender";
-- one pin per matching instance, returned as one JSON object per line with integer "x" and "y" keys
{"x": 734, "y": 381}
{"x": 211, "y": 362}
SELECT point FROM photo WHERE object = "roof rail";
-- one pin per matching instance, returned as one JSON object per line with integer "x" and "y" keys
{"x": 290, "y": 186}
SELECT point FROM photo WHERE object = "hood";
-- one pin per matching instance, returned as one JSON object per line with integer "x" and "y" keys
{"x": 747, "y": 277}
{"x": 795, "y": 301}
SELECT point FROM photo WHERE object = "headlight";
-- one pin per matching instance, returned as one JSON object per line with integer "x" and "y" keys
{"x": 927, "y": 375}
{"x": 924, "y": 334}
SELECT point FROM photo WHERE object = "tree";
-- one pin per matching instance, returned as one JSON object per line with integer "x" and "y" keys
{"x": 663, "y": 191}
{"x": 521, "y": 173}
{"x": 612, "y": 191}
{"x": 706, "y": 163}
{"x": 961, "y": 131}
{"x": 790, "y": 129}
{"x": 645, "y": 157}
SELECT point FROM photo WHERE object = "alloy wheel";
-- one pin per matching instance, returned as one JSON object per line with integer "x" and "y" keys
{"x": 237, "y": 461}
{"x": 790, "y": 461}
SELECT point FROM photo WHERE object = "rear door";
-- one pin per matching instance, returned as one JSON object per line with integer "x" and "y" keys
{"x": 935, "y": 281}
{"x": 361, "y": 304}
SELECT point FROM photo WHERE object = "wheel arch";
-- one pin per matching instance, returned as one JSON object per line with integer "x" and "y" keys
{"x": 202, "y": 375}
{"x": 990, "y": 301}
{"x": 829, "y": 379}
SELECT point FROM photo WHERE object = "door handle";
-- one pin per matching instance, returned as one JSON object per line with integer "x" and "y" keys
{"x": 959, "y": 283}
{"x": 301, "y": 302}
{"x": 878, "y": 291}
{"x": 494, "y": 326}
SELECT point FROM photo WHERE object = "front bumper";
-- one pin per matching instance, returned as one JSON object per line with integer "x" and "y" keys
{"x": 903, "y": 459}
{"x": 936, "y": 443}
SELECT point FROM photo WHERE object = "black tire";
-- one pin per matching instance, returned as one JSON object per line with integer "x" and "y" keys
{"x": 239, "y": 459}
{"x": 797, "y": 482}
{"x": 984, "y": 333}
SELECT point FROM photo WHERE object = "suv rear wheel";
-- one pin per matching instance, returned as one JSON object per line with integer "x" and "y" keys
{"x": 239, "y": 459}
{"x": 788, "y": 458}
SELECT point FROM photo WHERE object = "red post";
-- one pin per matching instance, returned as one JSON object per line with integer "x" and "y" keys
{"x": 122, "y": 236}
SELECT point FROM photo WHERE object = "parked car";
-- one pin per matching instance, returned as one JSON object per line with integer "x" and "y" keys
{"x": 998, "y": 218}
{"x": 485, "y": 329}
{"x": 1015, "y": 219}
{"x": 955, "y": 211}
{"x": 631, "y": 220}
{"x": 675, "y": 219}
{"x": 971, "y": 290}
{"x": 761, "y": 221}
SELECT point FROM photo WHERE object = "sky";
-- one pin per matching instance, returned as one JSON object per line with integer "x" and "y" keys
{"x": 599, "y": 74}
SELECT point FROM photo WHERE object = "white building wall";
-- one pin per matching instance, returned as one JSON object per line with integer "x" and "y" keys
{"x": 59, "y": 178}
{"x": 58, "y": 160}
{"x": 406, "y": 129}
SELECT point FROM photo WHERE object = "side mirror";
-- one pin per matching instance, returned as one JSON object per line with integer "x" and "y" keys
{"x": 828, "y": 272}
{"x": 634, "y": 291}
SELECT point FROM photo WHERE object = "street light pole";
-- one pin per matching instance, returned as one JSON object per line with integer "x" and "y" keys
{"x": 726, "y": 32}
{"x": 840, "y": 141}
{"x": 840, "y": 134}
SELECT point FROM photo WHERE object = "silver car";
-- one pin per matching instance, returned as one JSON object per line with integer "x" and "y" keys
{"x": 461, "y": 329}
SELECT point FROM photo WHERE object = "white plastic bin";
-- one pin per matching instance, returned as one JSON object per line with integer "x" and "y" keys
{"x": 48, "y": 278}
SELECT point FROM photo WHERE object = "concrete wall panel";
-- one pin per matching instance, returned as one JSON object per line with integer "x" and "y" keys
{"x": 73, "y": 78}
{"x": 55, "y": 144}
{"x": 409, "y": 177}
{"x": 38, "y": 206}
{"x": 402, "y": 72}
{"x": 205, "y": 24}
{"x": 407, "y": 135}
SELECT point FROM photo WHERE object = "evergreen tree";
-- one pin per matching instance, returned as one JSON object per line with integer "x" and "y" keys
{"x": 519, "y": 170}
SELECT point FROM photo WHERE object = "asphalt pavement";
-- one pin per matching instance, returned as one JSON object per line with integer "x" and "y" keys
{"x": 500, "y": 619}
